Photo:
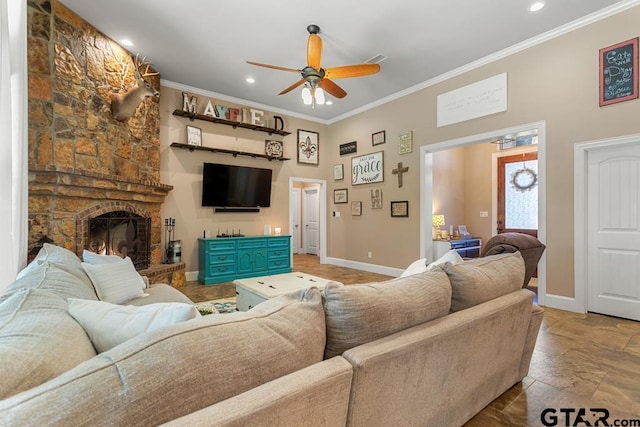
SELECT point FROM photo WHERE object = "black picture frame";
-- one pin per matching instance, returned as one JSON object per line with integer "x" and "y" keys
{"x": 340, "y": 195}
{"x": 400, "y": 209}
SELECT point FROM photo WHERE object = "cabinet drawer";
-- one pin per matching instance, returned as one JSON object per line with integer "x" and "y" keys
{"x": 220, "y": 245}
{"x": 278, "y": 263}
{"x": 220, "y": 269}
{"x": 279, "y": 253}
{"x": 252, "y": 244}
{"x": 221, "y": 257}
{"x": 279, "y": 242}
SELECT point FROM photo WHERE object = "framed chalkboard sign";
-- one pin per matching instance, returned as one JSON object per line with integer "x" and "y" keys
{"x": 619, "y": 72}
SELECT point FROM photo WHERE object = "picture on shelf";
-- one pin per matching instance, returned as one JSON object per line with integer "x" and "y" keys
{"x": 194, "y": 136}
{"x": 274, "y": 148}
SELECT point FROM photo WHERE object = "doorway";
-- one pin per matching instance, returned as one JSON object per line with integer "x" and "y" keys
{"x": 607, "y": 226}
{"x": 307, "y": 216}
{"x": 426, "y": 188}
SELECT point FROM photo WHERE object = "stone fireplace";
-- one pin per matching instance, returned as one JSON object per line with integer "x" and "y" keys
{"x": 91, "y": 177}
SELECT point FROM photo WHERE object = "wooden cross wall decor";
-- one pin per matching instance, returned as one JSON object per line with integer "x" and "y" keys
{"x": 399, "y": 171}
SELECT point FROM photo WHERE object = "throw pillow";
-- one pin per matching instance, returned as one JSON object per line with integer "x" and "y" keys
{"x": 416, "y": 267}
{"x": 109, "y": 324}
{"x": 115, "y": 282}
{"x": 357, "y": 314}
{"x": 452, "y": 256}
{"x": 95, "y": 259}
{"x": 483, "y": 279}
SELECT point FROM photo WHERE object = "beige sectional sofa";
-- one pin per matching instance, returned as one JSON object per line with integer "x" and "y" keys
{"x": 391, "y": 353}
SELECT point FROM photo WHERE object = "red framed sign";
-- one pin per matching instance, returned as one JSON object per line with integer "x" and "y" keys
{"x": 619, "y": 72}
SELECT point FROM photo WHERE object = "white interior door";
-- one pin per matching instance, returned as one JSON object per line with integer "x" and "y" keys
{"x": 613, "y": 231}
{"x": 310, "y": 213}
{"x": 294, "y": 210}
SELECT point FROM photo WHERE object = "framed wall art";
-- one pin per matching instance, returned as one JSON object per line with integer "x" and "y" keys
{"x": 406, "y": 143}
{"x": 349, "y": 148}
{"x": 340, "y": 195}
{"x": 194, "y": 136}
{"x": 356, "y": 208}
{"x": 368, "y": 168}
{"x": 376, "y": 198}
{"x": 338, "y": 172}
{"x": 273, "y": 148}
{"x": 308, "y": 147}
{"x": 619, "y": 72}
{"x": 400, "y": 209}
{"x": 378, "y": 138}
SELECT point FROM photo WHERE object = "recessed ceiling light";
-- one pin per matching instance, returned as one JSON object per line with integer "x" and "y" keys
{"x": 328, "y": 103}
{"x": 250, "y": 80}
{"x": 126, "y": 42}
{"x": 536, "y": 6}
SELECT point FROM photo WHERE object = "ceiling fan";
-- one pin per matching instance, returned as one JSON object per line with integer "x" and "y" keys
{"x": 315, "y": 78}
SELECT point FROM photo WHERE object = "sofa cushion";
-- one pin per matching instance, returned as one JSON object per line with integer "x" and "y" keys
{"x": 61, "y": 257}
{"x": 357, "y": 314}
{"x": 420, "y": 265}
{"x": 160, "y": 292}
{"x": 115, "y": 282}
{"x": 109, "y": 324}
{"x": 38, "y": 340}
{"x": 164, "y": 374}
{"x": 483, "y": 279}
{"x": 58, "y": 278}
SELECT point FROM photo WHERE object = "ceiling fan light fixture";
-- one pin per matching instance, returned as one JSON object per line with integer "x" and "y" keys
{"x": 319, "y": 96}
{"x": 307, "y": 98}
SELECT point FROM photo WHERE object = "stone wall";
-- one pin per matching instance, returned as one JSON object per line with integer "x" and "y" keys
{"x": 81, "y": 160}
{"x": 74, "y": 143}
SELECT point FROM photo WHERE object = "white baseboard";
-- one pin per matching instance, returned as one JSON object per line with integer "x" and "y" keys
{"x": 191, "y": 276}
{"x": 372, "y": 268}
{"x": 562, "y": 303}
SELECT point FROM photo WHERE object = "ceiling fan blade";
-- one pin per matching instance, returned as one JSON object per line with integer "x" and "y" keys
{"x": 275, "y": 67}
{"x": 292, "y": 87}
{"x": 332, "y": 88}
{"x": 314, "y": 51}
{"x": 351, "y": 71}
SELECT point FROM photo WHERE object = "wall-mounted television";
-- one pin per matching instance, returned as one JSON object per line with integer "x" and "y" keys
{"x": 228, "y": 186}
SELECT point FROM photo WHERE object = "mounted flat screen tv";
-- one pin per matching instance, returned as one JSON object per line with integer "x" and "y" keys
{"x": 228, "y": 186}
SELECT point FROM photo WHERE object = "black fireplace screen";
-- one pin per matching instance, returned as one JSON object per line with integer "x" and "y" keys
{"x": 121, "y": 233}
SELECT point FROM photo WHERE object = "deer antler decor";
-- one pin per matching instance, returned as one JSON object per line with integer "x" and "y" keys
{"x": 124, "y": 106}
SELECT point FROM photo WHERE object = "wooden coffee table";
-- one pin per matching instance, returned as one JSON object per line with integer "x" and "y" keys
{"x": 254, "y": 290}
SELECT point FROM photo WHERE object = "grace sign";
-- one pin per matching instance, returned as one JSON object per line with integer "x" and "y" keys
{"x": 367, "y": 168}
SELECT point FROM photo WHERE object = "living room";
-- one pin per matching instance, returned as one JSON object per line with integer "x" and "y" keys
{"x": 554, "y": 82}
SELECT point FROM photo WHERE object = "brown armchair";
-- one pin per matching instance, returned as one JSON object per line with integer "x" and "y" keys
{"x": 530, "y": 248}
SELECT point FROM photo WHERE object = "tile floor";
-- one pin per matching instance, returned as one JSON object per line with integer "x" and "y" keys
{"x": 580, "y": 361}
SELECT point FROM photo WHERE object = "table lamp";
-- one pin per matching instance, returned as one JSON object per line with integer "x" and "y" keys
{"x": 438, "y": 221}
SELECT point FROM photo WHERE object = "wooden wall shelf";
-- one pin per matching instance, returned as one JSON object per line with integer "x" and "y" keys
{"x": 194, "y": 116}
{"x": 234, "y": 153}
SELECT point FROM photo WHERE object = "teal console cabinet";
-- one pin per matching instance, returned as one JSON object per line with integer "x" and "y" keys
{"x": 224, "y": 259}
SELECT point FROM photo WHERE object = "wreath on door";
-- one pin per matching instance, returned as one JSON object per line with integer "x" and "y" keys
{"x": 524, "y": 179}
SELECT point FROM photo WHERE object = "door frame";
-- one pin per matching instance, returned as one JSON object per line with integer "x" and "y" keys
{"x": 426, "y": 189}
{"x": 580, "y": 198}
{"x": 322, "y": 214}
{"x": 296, "y": 245}
{"x": 494, "y": 178}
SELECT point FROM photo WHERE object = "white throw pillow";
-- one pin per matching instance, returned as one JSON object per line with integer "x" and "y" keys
{"x": 416, "y": 267}
{"x": 115, "y": 282}
{"x": 109, "y": 324}
{"x": 95, "y": 259}
{"x": 452, "y": 256}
